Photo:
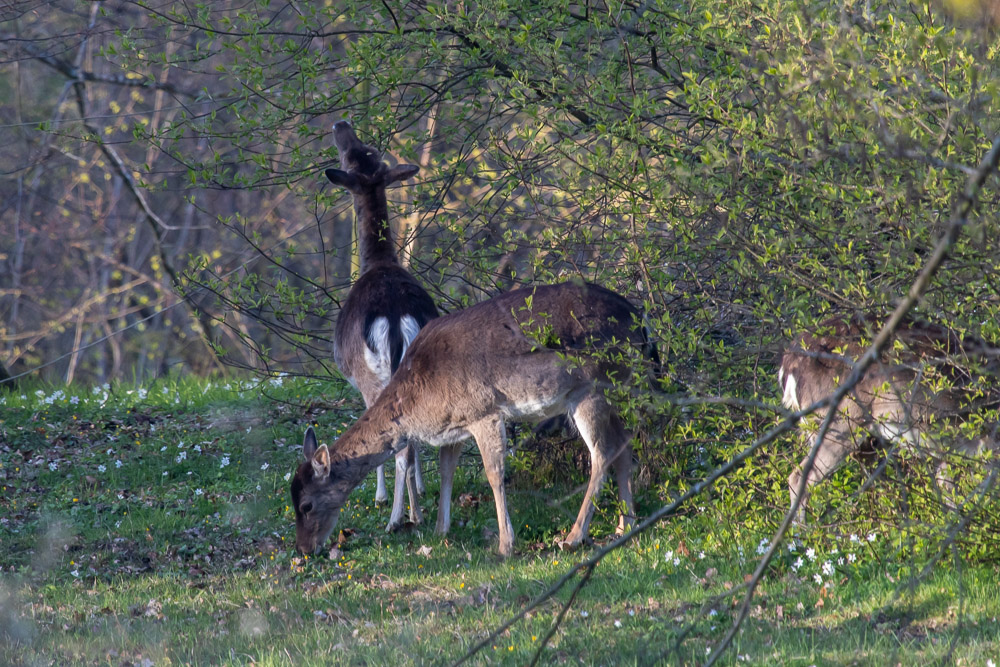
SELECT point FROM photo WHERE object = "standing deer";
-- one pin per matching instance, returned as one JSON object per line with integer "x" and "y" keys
{"x": 528, "y": 354}
{"x": 385, "y": 308}
{"x": 915, "y": 396}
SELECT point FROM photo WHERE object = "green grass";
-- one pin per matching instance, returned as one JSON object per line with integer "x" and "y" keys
{"x": 180, "y": 557}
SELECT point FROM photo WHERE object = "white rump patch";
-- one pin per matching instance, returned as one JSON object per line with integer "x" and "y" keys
{"x": 379, "y": 361}
{"x": 409, "y": 327}
{"x": 790, "y": 399}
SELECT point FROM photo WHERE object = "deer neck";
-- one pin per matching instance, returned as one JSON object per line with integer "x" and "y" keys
{"x": 375, "y": 244}
{"x": 372, "y": 440}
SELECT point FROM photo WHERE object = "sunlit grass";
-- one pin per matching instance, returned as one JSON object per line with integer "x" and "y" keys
{"x": 150, "y": 525}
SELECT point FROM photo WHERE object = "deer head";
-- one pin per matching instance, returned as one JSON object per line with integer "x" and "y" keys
{"x": 316, "y": 496}
{"x": 361, "y": 165}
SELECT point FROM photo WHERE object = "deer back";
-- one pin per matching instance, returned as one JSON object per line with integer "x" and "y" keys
{"x": 926, "y": 372}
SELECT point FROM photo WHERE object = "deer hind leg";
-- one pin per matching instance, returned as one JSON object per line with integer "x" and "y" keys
{"x": 838, "y": 443}
{"x": 491, "y": 438}
{"x": 449, "y": 462}
{"x": 608, "y": 443}
{"x": 622, "y": 464}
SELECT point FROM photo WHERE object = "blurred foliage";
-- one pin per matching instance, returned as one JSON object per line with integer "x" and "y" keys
{"x": 742, "y": 169}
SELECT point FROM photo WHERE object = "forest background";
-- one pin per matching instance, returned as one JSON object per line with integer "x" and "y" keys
{"x": 742, "y": 169}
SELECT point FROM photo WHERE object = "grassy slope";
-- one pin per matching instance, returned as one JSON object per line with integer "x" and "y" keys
{"x": 181, "y": 556}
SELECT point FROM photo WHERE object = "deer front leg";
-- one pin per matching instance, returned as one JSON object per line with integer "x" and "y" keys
{"x": 380, "y": 494}
{"x": 449, "y": 462}
{"x": 835, "y": 447}
{"x": 417, "y": 475}
{"x": 413, "y": 485}
{"x": 491, "y": 437}
{"x": 403, "y": 484}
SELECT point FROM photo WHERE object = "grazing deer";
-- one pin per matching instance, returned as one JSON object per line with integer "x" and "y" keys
{"x": 915, "y": 396}
{"x": 528, "y": 354}
{"x": 385, "y": 308}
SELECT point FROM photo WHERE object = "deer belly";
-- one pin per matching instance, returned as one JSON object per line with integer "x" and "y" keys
{"x": 536, "y": 408}
{"x": 906, "y": 435}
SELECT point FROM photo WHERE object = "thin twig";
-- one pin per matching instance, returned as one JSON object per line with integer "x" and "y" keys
{"x": 787, "y": 424}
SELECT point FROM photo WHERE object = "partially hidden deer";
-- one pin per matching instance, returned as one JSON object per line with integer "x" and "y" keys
{"x": 528, "y": 354}
{"x": 386, "y": 306}
{"x": 917, "y": 395}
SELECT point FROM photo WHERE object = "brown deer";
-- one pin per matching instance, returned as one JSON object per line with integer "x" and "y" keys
{"x": 528, "y": 354}
{"x": 385, "y": 308}
{"x": 915, "y": 396}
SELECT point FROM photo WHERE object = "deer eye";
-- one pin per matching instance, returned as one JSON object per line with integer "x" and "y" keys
{"x": 306, "y": 507}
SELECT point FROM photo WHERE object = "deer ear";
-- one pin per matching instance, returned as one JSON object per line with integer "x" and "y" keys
{"x": 401, "y": 172}
{"x": 342, "y": 178}
{"x": 321, "y": 463}
{"x": 309, "y": 444}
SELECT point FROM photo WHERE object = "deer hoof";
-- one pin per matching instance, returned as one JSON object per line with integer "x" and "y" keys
{"x": 401, "y": 527}
{"x": 568, "y": 544}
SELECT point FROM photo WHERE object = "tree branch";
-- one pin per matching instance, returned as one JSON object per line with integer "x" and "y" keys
{"x": 944, "y": 246}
